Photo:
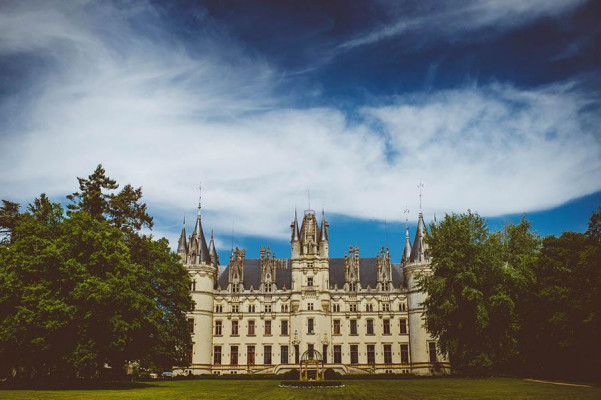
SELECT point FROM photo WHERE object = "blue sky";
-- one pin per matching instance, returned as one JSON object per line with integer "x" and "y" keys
{"x": 494, "y": 105}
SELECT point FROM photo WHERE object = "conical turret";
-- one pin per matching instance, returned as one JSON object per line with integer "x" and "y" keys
{"x": 213, "y": 251}
{"x": 419, "y": 251}
{"x": 323, "y": 233}
{"x": 407, "y": 249}
{"x": 182, "y": 245}
{"x": 295, "y": 236}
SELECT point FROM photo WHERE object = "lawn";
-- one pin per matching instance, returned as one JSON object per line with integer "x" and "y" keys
{"x": 431, "y": 389}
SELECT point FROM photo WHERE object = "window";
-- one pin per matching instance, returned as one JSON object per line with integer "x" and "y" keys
{"x": 432, "y": 351}
{"x": 310, "y": 306}
{"x": 217, "y": 355}
{"x": 251, "y": 308}
{"x": 284, "y": 354}
{"x": 371, "y": 354}
{"x": 353, "y": 326}
{"x": 219, "y": 308}
{"x": 250, "y": 355}
{"x": 386, "y": 327}
{"x": 324, "y": 353}
{"x": 310, "y": 327}
{"x": 354, "y": 354}
{"x": 234, "y": 328}
{"x": 234, "y": 355}
{"x": 267, "y": 355}
{"x": 284, "y": 307}
{"x": 336, "y": 308}
{"x": 310, "y": 351}
{"x": 353, "y": 307}
{"x": 235, "y": 308}
{"x": 336, "y": 327}
{"x": 403, "y": 326}
{"x": 193, "y": 286}
{"x": 251, "y": 328}
{"x": 296, "y": 354}
{"x": 191, "y": 325}
{"x": 387, "y": 354}
{"x": 404, "y": 354}
{"x": 310, "y": 281}
{"x": 284, "y": 328}
{"x": 235, "y": 287}
{"x": 337, "y": 354}
{"x": 385, "y": 286}
{"x": 190, "y": 353}
{"x": 352, "y": 287}
{"x": 218, "y": 328}
{"x": 370, "y": 326}
{"x": 402, "y": 307}
{"x": 268, "y": 287}
{"x": 267, "y": 308}
{"x": 267, "y": 327}
{"x": 386, "y": 307}
{"x": 369, "y": 307}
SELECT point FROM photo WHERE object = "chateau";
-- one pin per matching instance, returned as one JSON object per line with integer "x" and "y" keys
{"x": 363, "y": 315}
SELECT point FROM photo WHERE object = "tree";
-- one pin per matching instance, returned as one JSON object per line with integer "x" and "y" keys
{"x": 9, "y": 213}
{"x": 477, "y": 278}
{"x": 87, "y": 290}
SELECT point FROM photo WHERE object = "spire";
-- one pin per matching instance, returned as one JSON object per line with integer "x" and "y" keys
{"x": 407, "y": 249}
{"x": 199, "y": 237}
{"x": 182, "y": 246}
{"x": 212, "y": 250}
{"x": 295, "y": 232}
{"x": 419, "y": 251}
{"x": 323, "y": 234}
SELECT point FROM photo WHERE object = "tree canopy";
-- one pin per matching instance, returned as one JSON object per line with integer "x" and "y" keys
{"x": 83, "y": 291}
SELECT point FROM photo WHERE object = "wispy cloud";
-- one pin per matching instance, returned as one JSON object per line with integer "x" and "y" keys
{"x": 130, "y": 95}
{"x": 457, "y": 20}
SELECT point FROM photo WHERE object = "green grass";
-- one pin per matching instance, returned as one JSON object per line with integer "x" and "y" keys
{"x": 431, "y": 389}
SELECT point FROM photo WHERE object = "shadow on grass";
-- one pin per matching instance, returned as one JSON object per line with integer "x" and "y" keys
{"x": 80, "y": 386}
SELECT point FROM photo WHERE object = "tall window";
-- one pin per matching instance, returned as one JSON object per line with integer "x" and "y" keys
{"x": 354, "y": 354}
{"x": 217, "y": 355}
{"x": 251, "y": 308}
{"x": 403, "y": 326}
{"x": 386, "y": 327}
{"x": 404, "y": 354}
{"x": 336, "y": 327}
{"x": 218, "y": 328}
{"x": 310, "y": 281}
{"x": 370, "y": 326}
{"x": 193, "y": 285}
{"x": 285, "y": 327}
{"x": 335, "y": 307}
{"x": 234, "y": 328}
{"x": 284, "y": 354}
{"x": 296, "y": 354}
{"x": 268, "y": 327}
{"x": 284, "y": 307}
{"x": 219, "y": 308}
{"x": 371, "y": 354}
{"x": 310, "y": 327}
{"x": 432, "y": 351}
{"x": 250, "y": 355}
{"x": 325, "y": 353}
{"x": 191, "y": 325}
{"x": 251, "y": 328}
{"x": 234, "y": 355}
{"x": 353, "y": 326}
{"x": 387, "y": 354}
{"x": 352, "y": 287}
{"x": 337, "y": 354}
{"x": 369, "y": 307}
{"x": 267, "y": 355}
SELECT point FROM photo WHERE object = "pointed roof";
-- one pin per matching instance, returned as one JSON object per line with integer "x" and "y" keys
{"x": 182, "y": 245}
{"x": 199, "y": 237}
{"x": 419, "y": 249}
{"x": 407, "y": 249}
{"x": 295, "y": 232}
{"x": 323, "y": 234}
{"x": 212, "y": 250}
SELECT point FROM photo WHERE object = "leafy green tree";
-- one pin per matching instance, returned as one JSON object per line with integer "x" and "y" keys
{"x": 84, "y": 291}
{"x": 477, "y": 278}
{"x": 9, "y": 213}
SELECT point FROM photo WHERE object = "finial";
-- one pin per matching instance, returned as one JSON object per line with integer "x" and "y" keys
{"x": 184, "y": 220}
{"x": 420, "y": 186}
{"x": 309, "y": 198}
{"x": 199, "y": 196}
{"x": 406, "y": 212}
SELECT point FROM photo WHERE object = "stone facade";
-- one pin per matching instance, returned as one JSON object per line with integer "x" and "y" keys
{"x": 259, "y": 315}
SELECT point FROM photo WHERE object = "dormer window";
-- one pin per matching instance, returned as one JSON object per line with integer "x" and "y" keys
{"x": 310, "y": 281}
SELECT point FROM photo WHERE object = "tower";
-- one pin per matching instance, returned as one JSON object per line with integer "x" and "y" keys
{"x": 203, "y": 271}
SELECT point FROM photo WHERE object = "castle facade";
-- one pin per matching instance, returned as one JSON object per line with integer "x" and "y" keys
{"x": 360, "y": 315}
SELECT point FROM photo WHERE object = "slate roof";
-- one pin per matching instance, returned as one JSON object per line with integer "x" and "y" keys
{"x": 368, "y": 274}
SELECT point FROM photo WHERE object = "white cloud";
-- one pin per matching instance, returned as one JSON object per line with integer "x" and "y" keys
{"x": 161, "y": 117}
{"x": 458, "y": 20}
